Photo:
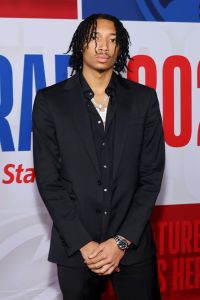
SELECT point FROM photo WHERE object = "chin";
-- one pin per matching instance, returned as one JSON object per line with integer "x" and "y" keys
{"x": 103, "y": 69}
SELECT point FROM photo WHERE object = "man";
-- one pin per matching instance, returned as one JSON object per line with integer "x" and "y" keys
{"x": 99, "y": 160}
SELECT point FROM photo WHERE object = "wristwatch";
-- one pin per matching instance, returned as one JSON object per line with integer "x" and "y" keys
{"x": 121, "y": 243}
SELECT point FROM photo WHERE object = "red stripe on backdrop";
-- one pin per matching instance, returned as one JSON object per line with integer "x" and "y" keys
{"x": 176, "y": 231}
{"x": 51, "y": 9}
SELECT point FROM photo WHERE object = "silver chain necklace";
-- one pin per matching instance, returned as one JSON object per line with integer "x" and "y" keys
{"x": 99, "y": 106}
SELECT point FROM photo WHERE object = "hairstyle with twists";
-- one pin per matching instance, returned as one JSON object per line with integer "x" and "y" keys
{"x": 85, "y": 32}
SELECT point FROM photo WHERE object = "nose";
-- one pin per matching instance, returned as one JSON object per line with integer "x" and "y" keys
{"x": 102, "y": 44}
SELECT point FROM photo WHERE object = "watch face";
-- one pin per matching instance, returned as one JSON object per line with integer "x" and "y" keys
{"x": 123, "y": 244}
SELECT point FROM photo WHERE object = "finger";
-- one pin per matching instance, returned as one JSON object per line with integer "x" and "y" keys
{"x": 112, "y": 269}
{"x": 109, "y": 271}
{"x": 103, "y": 269}
{"x": 99, "y": 264}
{"x": 117, "y": 269}
{"x": 96, "y": 252}
{"x": 97, "y": 259}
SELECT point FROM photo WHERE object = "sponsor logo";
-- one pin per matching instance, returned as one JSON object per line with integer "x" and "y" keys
{"x": 18, "y": 174}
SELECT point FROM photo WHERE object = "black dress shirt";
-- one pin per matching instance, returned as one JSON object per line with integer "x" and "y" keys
{"x": 104, "y": 142}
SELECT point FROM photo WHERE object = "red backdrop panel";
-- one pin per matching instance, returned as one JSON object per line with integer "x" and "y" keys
{"x": 60, "y": 9}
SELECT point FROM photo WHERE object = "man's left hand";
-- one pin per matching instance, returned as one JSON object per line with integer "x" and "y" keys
{"x": 105, "y": 258}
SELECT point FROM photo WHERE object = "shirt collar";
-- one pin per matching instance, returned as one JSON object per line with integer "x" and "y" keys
{"x": 88, "y": 92}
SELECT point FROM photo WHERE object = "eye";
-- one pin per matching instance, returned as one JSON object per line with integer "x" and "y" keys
{"x": 113, "y": 40}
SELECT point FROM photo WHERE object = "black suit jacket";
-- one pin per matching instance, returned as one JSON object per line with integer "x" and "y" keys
{"x": 67, "y": 170}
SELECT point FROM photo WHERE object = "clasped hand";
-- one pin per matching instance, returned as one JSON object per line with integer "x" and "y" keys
{"x": 102, "y": 258}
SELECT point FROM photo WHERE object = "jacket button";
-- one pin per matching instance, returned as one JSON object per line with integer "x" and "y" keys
{"x": 99, "y": 182}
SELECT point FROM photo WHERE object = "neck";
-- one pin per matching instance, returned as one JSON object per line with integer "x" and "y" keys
{"x": 98, "y": 81}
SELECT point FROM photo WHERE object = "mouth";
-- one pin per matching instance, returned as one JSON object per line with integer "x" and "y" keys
{"x": 102, "y": 58}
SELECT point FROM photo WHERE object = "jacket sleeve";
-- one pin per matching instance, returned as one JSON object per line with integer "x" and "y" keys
{"x": 151, "y": 169}
{"x": 47, "y": 165}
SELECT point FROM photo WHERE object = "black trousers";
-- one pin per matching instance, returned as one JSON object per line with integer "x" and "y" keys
{"x": 133, "y": 282}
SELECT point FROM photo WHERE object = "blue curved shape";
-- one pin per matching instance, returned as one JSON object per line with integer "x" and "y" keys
{"x": 166, "y": 10}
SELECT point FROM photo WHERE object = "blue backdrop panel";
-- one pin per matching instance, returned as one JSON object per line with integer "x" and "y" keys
{"x": 146, "y": 10}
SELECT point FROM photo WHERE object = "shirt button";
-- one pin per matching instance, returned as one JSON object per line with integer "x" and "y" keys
{"x": 105, "y": 212}
{"x": 104, "y": 143}
{"x": 105, "y": 190}
{"x": 105, "y": 166}
{"x": 99, "y": 121}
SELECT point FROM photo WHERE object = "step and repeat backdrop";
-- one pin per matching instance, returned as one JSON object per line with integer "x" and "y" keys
{"x": 34, "y": 35}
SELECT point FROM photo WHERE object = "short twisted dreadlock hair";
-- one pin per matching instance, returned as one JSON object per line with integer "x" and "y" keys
{"x": 84, "y": 34}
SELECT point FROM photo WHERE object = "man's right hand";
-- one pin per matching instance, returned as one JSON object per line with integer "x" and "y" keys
{"x": 87, "y": 249}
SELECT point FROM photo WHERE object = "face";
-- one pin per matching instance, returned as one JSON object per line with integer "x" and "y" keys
{"x": 102, "y": 51}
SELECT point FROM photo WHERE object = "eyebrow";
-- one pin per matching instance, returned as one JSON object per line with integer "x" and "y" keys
{"x": 109, "y": 34}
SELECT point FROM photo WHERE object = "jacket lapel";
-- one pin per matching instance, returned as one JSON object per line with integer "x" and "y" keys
{"x": 122, "y": 117}
{"x": 81, "y": 119}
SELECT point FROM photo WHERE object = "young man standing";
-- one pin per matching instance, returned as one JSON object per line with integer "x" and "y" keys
{"x": 99, "y": 160}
